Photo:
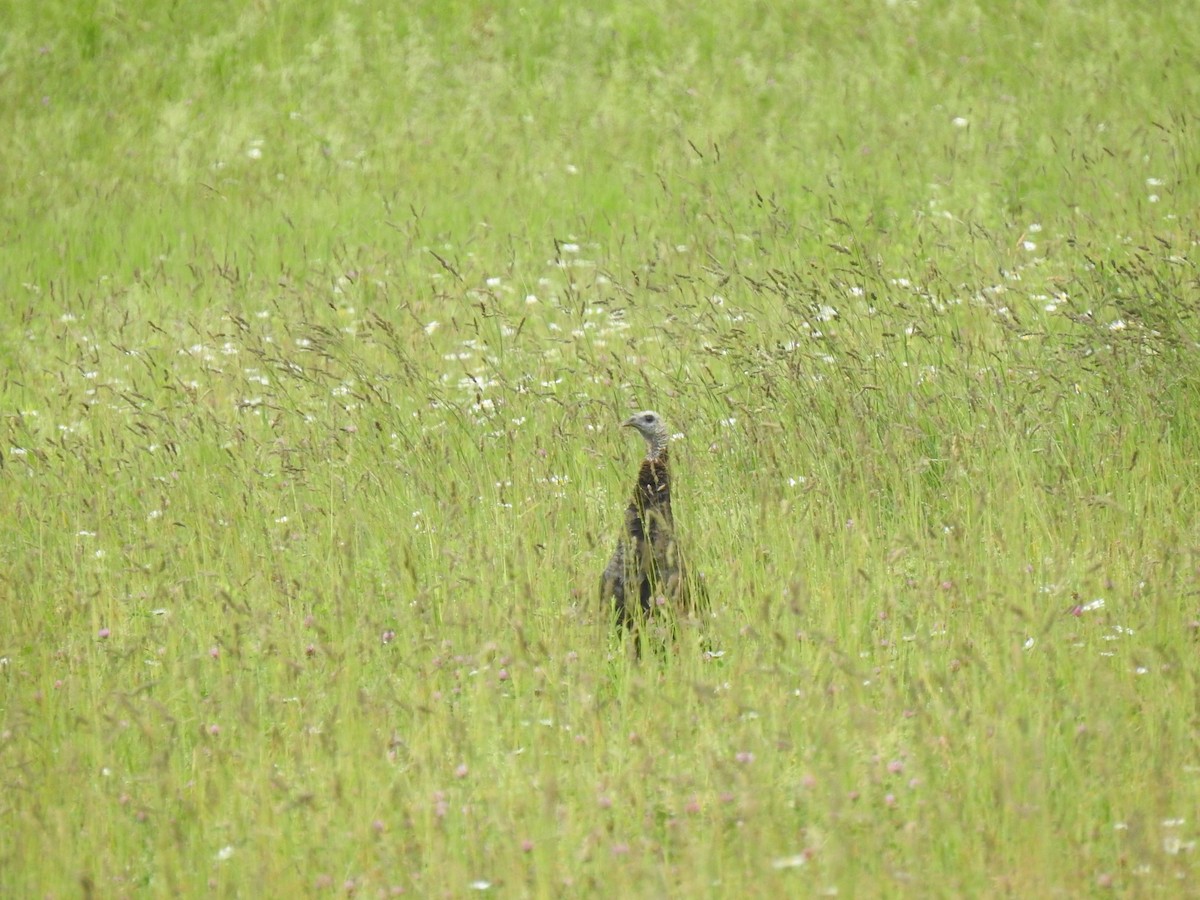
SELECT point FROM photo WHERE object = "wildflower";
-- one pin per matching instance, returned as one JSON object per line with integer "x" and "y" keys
{"x": 790, "y": 862}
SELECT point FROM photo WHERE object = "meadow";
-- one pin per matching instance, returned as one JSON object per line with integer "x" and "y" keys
{"x": 319, "y": 322}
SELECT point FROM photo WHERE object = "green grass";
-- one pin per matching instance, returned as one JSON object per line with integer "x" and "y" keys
{"x": 320, "y": 320}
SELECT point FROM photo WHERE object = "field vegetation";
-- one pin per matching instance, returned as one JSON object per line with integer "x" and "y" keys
{"x": 319, "y": 320}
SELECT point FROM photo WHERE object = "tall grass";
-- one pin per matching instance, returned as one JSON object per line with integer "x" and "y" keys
{"x": 320, "y": 322}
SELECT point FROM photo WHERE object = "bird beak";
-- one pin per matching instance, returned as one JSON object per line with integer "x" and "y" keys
{"x": 630, "y": 422}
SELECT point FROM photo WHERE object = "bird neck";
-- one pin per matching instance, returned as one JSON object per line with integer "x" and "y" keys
{"x": 656, "y": 446}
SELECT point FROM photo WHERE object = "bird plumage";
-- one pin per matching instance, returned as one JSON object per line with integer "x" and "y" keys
{"x": 647, "y": 574}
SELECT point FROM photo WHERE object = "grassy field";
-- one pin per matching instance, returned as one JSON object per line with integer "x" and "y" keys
{"x": 319, "y": 322}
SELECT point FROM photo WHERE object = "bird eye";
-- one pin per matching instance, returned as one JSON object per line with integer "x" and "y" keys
{"x": 650, "y": 419}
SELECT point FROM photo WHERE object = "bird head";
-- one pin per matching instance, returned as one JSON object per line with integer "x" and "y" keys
{"x": 652, "y": 427}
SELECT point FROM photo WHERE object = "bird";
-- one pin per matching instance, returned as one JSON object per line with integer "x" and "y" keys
{"x": 647, "y": 576}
